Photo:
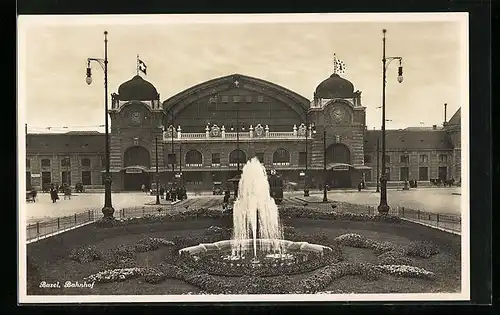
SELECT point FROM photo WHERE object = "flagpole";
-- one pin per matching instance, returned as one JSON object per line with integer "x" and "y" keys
{"x": 137, "y": 64}
{"x": 334, "y": 63}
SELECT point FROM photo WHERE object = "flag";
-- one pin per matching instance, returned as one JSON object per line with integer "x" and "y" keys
{"x": 338, "y": 65}
{"x": 141, "y": 66}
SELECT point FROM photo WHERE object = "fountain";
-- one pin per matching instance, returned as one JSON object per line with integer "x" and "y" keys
{"x": 257, "y": 245}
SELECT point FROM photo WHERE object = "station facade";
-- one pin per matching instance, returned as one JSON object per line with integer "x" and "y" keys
{"x": 206, "y": 133}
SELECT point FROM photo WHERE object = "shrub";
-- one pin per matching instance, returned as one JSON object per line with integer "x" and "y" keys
{"x": 151, "y": 243}
{"x": 394, "y": 257}
{"x": 352, "y": 240}
{"x": 85, "y": 254}
{"x": 153, "y": 276}
{"x": 421, "y": 249}
{"x": 121, "y": 257}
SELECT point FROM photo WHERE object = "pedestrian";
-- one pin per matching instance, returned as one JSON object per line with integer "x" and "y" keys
{"x": 143, "y": 188}
{"x": 53, "y": 193}
{"x": 162, "y": 191}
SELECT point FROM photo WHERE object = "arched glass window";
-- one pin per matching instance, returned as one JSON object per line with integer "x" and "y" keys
{"x": 237, "y": 156}
{"x": 338, "y": 153}
{"x": 136, "y": 156}
{"x": 281, "y": 157}
{"x": 194, "y": 158}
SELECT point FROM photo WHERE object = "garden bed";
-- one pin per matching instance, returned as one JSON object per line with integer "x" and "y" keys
{"x": 159, "y": 271}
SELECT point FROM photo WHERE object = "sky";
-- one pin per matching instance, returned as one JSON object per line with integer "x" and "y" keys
{"x": 294, "y": 51}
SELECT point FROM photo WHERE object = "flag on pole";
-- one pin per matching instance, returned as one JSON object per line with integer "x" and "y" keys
{"x": 338, "y": 65}
{"x": 141, "y": 66}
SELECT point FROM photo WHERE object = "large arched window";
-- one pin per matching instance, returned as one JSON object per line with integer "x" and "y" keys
{"x": 281, "y": 157}
{"x": 237, "y": 156}
{"x": 194, "y": 158}
{"x": 338, "y": 153}
{"x": 136, "y": 156}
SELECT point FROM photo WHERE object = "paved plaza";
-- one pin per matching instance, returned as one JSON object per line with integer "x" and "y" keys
{"x": 436, "y": 200}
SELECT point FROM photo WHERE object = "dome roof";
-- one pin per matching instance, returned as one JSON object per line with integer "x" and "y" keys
{"x": 137, "y": 89}
{"x": 335, "y": 86}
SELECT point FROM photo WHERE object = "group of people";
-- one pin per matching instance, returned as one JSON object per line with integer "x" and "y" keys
{"x": 173, "y": 193}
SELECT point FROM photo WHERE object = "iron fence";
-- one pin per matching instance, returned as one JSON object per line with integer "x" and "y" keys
{"x": 42, "y": 229}
{"x": 448, "y": 222}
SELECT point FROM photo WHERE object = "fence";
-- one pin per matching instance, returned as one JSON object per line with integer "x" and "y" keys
{"x": 38, "y": 230}
{"x": 447, "y": 222}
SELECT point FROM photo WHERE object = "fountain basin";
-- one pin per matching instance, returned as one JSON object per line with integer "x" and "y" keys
{"x": 220, "y": 258}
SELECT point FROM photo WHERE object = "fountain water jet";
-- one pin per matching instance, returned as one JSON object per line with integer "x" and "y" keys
{"x": 255, "y": 213}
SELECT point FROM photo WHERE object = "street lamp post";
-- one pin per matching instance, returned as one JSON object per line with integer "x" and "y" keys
{"x": 107, "y": 210}
{"x": 383, "y": 207}
{"x": 325, "y": 198}
{"x": 306, "y": 188}
{"x": 237, "y": 85}
{"x": 180, "y": 164}
{"x": 378, "y": 165}
{"x": 157, "y": 175}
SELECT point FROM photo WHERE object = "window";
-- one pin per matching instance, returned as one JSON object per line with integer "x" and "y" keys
{"x": 66, "y": 162}
{"x": 66, "y": 177}
{"x": 86, "y": 178}
{"x": 302, "y": 158}
{"x": 86, "y": 162}
{"x": 236, "y": 99}
{"x": 404, "y": 173}
{"x": 368, "y": 176}
{"x": 248, "y": 98}
{"x": 215, "y": 159}
{"x": 442, "y": 173}
{"x": 404, "y": 158}
{"x": 28, "y": 163}
{"x": 423, "y": 158}
{"x": 194, "y": 158}
{"x": 260, "y": 156}
{"x": 442, "y": 158}
{"x": 46, "y": 179}
{"x": 45, "y": 163}
{"x": 171, "y": 159}
{"x": 368, "y": 158}
{"x": 423, "y": 172}
{"x": 260, "y": 99}
{"x": 225, "y": 99}
{"x": 281, "y": 157}
{"x": 387, "y": 159}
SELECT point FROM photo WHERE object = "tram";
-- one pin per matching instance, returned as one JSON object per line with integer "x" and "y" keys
{"x": 275, "y": 186}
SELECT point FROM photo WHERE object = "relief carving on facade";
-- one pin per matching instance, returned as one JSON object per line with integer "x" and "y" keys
{"x": 259, "y": 131}
{"x": 215, "y": 131}
{"x": 302, "y": 130}
{"x": 170, "y": 132}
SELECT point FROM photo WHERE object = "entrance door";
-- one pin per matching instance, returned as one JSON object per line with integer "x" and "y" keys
{"x": 339, "y": 179}
{"x": 28, "y": 181}
{"x": 134, "y": 181}
{"x": 46, "y": 180}
{"x": 443, "y": 173}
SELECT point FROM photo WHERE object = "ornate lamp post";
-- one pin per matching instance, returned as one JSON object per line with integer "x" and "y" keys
{"x": 325, "y": 198}
{"x": 237, "y": 85}
{"x": 378, "y": 165}
{"x": 306, "y": 187}
{"x": 107, "y": 210}
{"x": 383, "y": 207}
{"x": 157, "y": 175}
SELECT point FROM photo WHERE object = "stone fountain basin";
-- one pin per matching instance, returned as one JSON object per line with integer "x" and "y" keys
{"x": 227, "y": 245}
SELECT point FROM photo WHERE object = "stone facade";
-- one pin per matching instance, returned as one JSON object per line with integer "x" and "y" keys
{"x": 271, "y": 121}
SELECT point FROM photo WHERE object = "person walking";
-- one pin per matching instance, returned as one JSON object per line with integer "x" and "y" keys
{"x": 53, "y": 193}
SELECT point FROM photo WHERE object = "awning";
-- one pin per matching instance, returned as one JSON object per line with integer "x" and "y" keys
{"x": 338, "y": 166}
{"x": 362, "y": 167}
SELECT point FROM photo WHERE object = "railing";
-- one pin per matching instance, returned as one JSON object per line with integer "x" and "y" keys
{"x": 244, "y": 135}
{"x": 43, "y": 229}
{"x": 449, "y": 222}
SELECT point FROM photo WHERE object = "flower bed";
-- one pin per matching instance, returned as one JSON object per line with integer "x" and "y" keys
{"x": 407, "y": 271}
{"x": 151, "y": 243}
{"x": 285, "y": 213}
{"x": 113, "y": 275}
{"x": 423, "y": 249}
{"x": 85, "y": 254}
